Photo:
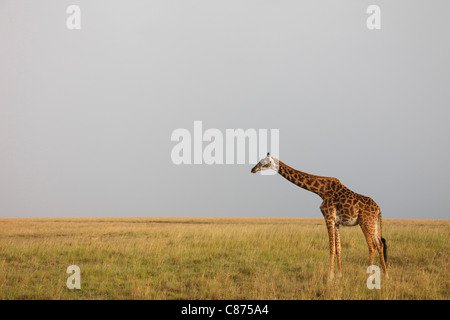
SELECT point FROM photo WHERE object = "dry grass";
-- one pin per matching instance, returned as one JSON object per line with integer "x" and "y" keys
{"x": 215, "y": 258}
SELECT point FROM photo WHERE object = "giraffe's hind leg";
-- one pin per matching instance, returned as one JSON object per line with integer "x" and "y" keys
{"x": 374, "y": 243}
{"x": 380, "y": 247}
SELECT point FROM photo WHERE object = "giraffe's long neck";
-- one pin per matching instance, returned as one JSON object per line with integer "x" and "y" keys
{"x": 317, "y": 184}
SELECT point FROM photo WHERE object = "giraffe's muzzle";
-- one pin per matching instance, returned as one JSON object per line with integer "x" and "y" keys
{"x": 256, "y": 168}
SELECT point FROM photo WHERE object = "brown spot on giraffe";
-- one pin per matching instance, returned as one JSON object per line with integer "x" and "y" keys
{"x": 340, "y": 206}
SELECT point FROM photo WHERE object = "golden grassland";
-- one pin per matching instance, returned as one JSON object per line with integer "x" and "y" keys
{"x": 215, "y": 258}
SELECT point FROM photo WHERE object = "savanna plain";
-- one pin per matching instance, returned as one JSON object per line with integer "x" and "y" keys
{"x": 216, "y": 258}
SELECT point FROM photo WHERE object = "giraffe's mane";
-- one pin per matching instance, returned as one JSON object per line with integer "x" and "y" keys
{"x": 311, "y": 175}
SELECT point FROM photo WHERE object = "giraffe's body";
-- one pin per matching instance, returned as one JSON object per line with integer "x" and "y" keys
{"x": 340, "y": 206}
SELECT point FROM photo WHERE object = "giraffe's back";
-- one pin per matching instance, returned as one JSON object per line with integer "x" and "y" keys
{"x": 351, "y": 206}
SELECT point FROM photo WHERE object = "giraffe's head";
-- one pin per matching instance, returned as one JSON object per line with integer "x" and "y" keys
{"x": 266, "y": 163}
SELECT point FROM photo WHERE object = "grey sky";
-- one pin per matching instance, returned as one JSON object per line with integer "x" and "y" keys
{"x": 86, "y": 115}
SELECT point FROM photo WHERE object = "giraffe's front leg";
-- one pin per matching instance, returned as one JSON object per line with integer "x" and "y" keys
{"x": 337, "y": 241}
{"x": 329, "y": 213}
{"x": 332, "y": 238}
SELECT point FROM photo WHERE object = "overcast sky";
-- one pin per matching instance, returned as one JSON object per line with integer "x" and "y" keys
{"x": 86, "y": 116}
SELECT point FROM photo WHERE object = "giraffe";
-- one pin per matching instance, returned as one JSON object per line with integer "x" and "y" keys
{"x": 340, "y": 206}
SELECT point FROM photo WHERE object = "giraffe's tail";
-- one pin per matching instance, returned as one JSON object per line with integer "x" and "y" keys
{"x": 383, "y": 240}
{"x": 384, "y": 249}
